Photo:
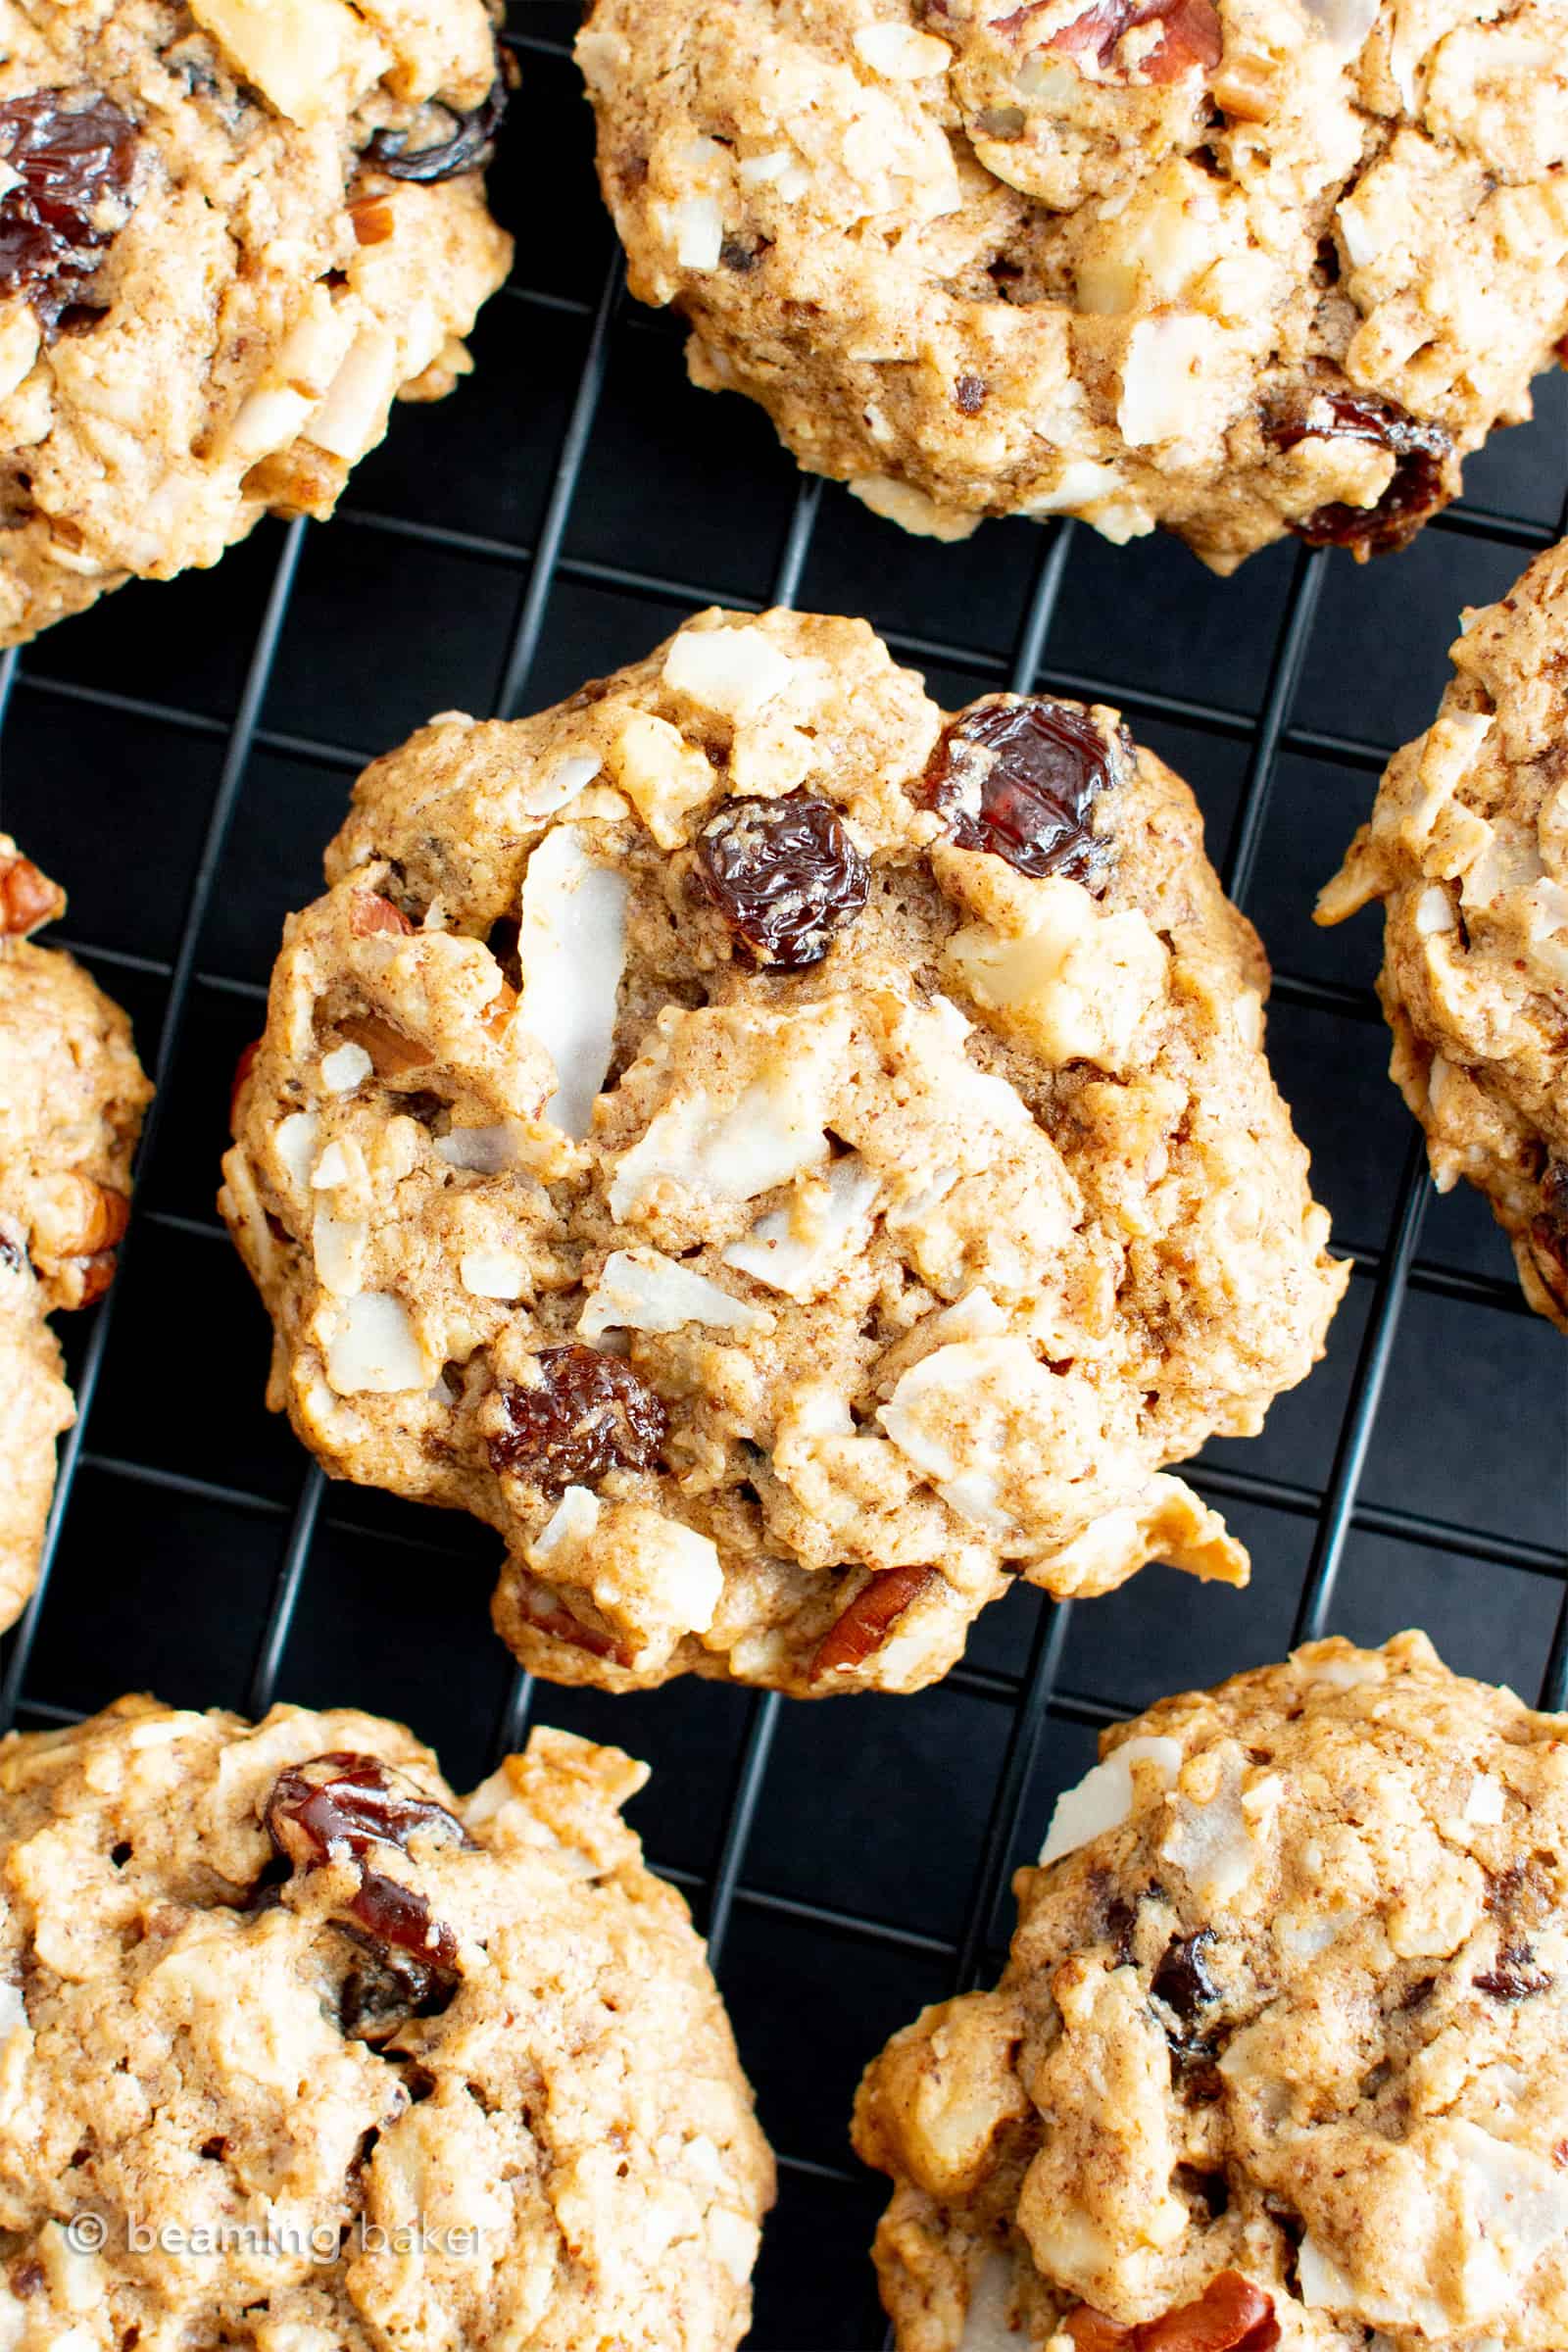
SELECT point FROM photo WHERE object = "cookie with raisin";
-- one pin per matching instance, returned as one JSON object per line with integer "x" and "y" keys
{"x": 1280, "y": 2054}
{"x": 1236, "y": 269}
{"x": 1468, "y": 850}
{"x": 230, "y": 235}
{"x": 333, "y": 2058}
{"x": 789, "y": 1160}
{"x": 72, "y": 1097}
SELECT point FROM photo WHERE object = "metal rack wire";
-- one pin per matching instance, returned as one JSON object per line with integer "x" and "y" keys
{"x": 1040, "y": 1697}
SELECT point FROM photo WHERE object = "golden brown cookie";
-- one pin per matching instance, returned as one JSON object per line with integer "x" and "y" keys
{"x": 1236, "y": 267}
{"x": 787, "y": 1160}
{"x": 305, "y": 2053}
{"x": 1467, "y": 848}
{"x": 71, "y": 1095}
{"x": 230, "y": 235}
{"x": 1280, "y": 2056}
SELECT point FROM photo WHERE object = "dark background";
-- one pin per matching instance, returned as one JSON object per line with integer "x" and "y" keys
{"x": 180, "y": 756}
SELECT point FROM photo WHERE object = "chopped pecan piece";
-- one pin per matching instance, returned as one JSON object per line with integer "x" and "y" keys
{"x": 870, "y": 1617}
{"x": 371, "y": 912}
{"x": 1231, "y": 2315}
{"x": 28, "y": 898}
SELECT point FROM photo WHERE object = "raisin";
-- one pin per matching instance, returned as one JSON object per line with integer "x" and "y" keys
{"x": 468, "y": 148}
{"x": 26, "y": 2279}
{"x": 346, "y": 1805}
{"x": 1231, "y": 2315}
{"x": 1517, "y": 1975}
{"x": 969, "y": 395}
{"x": 1191, "y": 35}
{"x": 861, "y": 1628}
{"x": 1020, "y": 776}
{"x": 74, "y": 154}
{"x": 784, "y": 874}
{"x": 586, "y": 1414}
{"x": 13, "y": 1256}
{"x": 1416, "y": 490}
{"x": 1182, "y": 1980}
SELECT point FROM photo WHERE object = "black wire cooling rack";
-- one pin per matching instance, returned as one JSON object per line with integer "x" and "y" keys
{"x": 179, "y": 757}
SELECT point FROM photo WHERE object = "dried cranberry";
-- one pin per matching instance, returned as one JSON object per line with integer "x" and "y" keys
{"x": 1517, "y": 1975}
{"x": 1021, "y": 777}
{"x": 587, "y": 1413}
{"x": 465, "y": 151}
{"x": 344, "y": 1806}
{"x": 784, "y": 874}
{"x": 1416, "y": 490}
{"x": 1191, "y": 35}
{"x": 74, "y": 152}
{"x": 1182, "y": 1980}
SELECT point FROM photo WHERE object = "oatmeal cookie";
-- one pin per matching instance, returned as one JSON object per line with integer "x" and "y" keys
{"x": 787, "y": 1160}
{"x": 71, "y": 1095}
{"x": 1235, "y": 267}
{"x": 230, "y": 233}
{"x": 1280, "y": 2056}
{"x": 1467, "y": 848}
{"x": 338, "y": 2061}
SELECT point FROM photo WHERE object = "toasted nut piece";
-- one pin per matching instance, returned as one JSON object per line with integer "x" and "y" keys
{"x": 371, "y": 912}
{"x": 550, "y": 1617}
{"x": 866, "y": 1624}
{"x": 500, "y": 1009}
{"x": 1231, "y": 2315}
{"x": 301, "y": 479}
{"x": 1246, "y": 89}
{"x": 374, "y": 220}
{"x": 97, "y": 1273}
{"x": 392, "y": 1053}
{"x": 76, "y": 1217}
{"x": 28, "y": 898}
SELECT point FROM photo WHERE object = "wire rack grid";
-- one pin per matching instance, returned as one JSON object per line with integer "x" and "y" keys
{"x": 847, "y": 1862}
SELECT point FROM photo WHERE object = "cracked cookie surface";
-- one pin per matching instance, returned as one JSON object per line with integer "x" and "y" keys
{"x": 229, "y": 235}
{"x": 787, "y": 1160}
{"x": 1230, "y": 266}
{"x": 1467, "y": 850}
{"x": 1283, "y": 2036}
{"x": 71, "y": 1096}
{"x": 340, "y": 2061}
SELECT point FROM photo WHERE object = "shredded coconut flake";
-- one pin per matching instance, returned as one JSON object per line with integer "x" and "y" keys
{"x": 797, "y": 1249}
{"x": 294, "y": 1142}
{"x": 900, "y": 51}
{"x": 559, "y": 784}
{"x": 483, "y": 1150}
{"x": 1104, "y": 1798}
{"x": 493, "y": 1273}
{"x": 1343, "y": 24}
{"x": 572, "y": 949}
{"x": 734, "y": 671}
{"x": 644, "y": 1291}
{"x": 345, "y": 1068}
{"x": 373, "y": 1351}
